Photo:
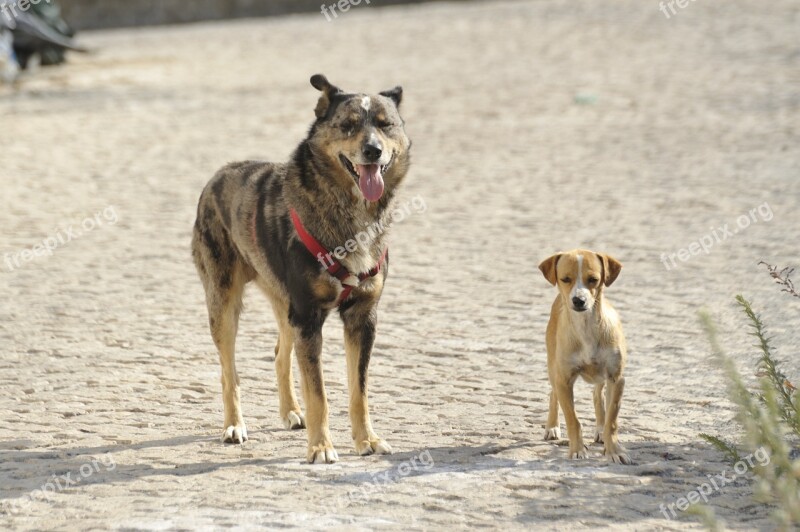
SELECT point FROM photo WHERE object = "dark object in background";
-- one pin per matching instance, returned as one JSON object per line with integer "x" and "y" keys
{"x": 39, "y": 30}
{"x": 9, "y": 68}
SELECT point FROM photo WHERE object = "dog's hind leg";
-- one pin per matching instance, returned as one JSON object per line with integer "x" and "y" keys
{"x": 224, "y": 277}
{"x": 599, "y": 412}
{"x": 224, "y": 320}
{"x": 613, "y": 450}
{"x": 552, "y": 431}
{"x": 360, "y": 323}
{"x": 290, "y": 411}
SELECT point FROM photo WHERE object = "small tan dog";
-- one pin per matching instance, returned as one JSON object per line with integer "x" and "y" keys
{"x": 584, "y": 338}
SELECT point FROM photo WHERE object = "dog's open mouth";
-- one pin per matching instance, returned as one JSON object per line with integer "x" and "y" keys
{"x": 369, "y": 177}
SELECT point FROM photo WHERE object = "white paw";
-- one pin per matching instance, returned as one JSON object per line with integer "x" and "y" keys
{"x": 619, "y": 456}
{"x": 235, "y": 434}
{"x": 580, "y": 454}
{"x": 294, "y": 420}
{"x": 552, "y": 434}
{"x": 322, "y": 454}
{"x": 383, "y": 448}
{"x": 374, "y": 446}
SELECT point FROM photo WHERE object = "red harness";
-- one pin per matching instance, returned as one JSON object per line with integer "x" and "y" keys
{"x": 336, "y": 268}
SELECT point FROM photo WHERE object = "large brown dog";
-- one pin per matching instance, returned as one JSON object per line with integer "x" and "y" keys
{"x": 340, "y": 183}
{"x": 584, "y": 338}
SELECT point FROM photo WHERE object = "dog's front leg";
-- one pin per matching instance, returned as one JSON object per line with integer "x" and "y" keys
{"x": 308, "y": 346}
{"x": 577, "y": 449}
{"x": 613, "y": 450}
{"x": 552, "y": 431}
{"x": 360, "y": 323}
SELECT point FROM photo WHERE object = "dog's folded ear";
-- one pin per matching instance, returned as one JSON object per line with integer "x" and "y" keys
{"x": 329, "y": 90}
{"x": 321, "y": 83}
{"x": 611, "y": 268}
{"x": 395, "y": 94}
{"x": 548, "y": 267}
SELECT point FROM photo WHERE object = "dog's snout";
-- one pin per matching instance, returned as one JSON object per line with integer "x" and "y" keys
{"x": 578, "y": 302}
{"x": 373, "y": 150}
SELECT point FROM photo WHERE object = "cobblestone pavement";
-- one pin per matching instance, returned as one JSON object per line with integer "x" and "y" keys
{"x": 537, "y": 126}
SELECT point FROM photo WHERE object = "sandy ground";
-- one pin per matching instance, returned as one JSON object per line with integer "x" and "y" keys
{"x": 537, "y": 126}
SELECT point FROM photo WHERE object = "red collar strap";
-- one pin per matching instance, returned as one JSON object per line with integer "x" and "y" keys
{"x": 334, "y": 267}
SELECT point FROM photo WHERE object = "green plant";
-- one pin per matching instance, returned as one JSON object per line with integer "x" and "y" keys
{"x": 725, "y": 447}
{"x": 770, "y": 416}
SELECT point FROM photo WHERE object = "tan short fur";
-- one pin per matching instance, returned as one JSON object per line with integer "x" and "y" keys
{"x": 585, "y": 338}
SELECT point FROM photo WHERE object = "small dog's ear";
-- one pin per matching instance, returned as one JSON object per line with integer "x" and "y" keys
{"x": 611, "y": 268}
{"x": 321, "y": 83}
{"x": 548, "y": 267}
{"x": 395, "y": 94}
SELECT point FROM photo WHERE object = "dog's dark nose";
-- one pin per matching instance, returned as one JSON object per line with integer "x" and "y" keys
{"x": 578, "y": 302}
{"x": 373, "y": 151}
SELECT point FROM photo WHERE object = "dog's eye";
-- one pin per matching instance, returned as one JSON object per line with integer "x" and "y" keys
{"x": 592, "y": 280}
{"x": 348, "y": 125}
{"x": 383, "y": 124}
{"x": 566, "y": 280}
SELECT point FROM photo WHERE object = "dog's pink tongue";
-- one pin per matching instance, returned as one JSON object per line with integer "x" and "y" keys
{"x": 370, "y": 181}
